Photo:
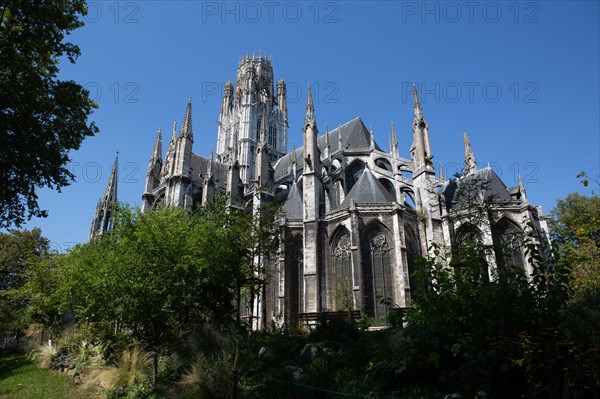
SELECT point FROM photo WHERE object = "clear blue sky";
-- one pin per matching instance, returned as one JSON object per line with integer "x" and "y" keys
{"x": 522, "y": 78}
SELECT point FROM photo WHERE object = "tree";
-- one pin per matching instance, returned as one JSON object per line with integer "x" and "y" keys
{"x": 160, "y": 272}
{"x": 575, "y": 227}
{"x": 509, "y": 337}
{"x": 41, "y": 117}
{"x": 21, "y": 253}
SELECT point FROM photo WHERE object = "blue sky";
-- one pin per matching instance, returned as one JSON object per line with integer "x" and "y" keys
{"x": 522, "y": 78}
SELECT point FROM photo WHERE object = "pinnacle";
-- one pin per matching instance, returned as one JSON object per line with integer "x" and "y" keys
{"x": 186, "y": 127}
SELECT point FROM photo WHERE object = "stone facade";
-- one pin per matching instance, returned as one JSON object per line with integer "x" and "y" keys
{"x": 355, "y": 215}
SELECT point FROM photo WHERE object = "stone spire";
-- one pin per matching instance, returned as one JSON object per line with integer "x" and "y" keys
{"x": 186, "y": 127}
{"x": 310, "y": 108}
{"x": 420, "y": 150}
{"x": 522, "y": 189}
{"x": 311, "y": 193}
{"x": 394, "y": 141}
{"x": 157, "y": 149}
{"x": 418, "y": 111}
{"x": 470, "y": 161}
{"x": 154, "y": 172}
{"x": 311, "y": 150}
{"x": 169, "y": 156}
{"x": 442, "y": 177}
{"x": 179, "y": 185}
{"x": 104, "y": 217}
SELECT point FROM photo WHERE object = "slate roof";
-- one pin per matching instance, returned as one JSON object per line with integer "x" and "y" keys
{"x": 367, "y": 189}
{"x": 484, "y": 178}
{"x": 293, "y": 205}
{"x": 354, "y": 133}
{"x": 199, "y": 165}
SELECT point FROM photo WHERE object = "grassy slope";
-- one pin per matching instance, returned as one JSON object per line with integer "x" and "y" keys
{"x": 20, "y": 379}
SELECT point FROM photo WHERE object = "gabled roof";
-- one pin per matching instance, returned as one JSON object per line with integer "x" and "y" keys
{"x": 367, "y": 189}
{"x": 354, "y": 134}
{"x": 293, "y": 205}
{"x": 199, "y": 165}
{"x": 456, "y": 192}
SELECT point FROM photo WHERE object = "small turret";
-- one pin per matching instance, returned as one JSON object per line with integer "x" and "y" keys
{"x": 281, "y": 97}
{"x": 227, "y": 98}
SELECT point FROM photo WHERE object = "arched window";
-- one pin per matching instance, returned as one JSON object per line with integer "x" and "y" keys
{"x": 508, "y": 244}
{"x": 342, "y": 273}
{"x": 258, "y": 122}
{"x": 272, "y": 135}
{"x": 409, "y": 252}
{"x": 378, "y": 275}
{"x": 469, "y": 245}
{"x": 294, "y": 276}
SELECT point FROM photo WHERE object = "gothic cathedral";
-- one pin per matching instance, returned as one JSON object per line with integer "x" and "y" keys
{"x": 355, "y": 215}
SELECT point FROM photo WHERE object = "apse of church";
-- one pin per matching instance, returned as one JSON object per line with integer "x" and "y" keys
{"x": 355, "y": 214}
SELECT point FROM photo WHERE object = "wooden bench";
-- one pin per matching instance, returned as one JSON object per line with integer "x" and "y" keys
{"x": 314, "y": 317}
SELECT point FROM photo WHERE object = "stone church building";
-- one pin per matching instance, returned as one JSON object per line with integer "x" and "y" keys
{"x": 355, "y": 214}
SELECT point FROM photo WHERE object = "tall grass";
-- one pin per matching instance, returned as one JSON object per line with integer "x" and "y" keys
{"x": 134, "y": 367}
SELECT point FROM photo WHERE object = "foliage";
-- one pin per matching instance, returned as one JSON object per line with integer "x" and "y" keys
{"x": 134, "y": 368}
{"x": 506, "y": 337}
{"x": 27, "y": 280}
{"x": 164, "y": 270}
{"x": 575, "y": 227}
{"x": 41, "y": 117}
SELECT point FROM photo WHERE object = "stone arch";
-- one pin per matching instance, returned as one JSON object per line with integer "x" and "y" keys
{"x": 378, "y": 280}
{"x": 335, "y": 165}
{"x": 294, "y": 278}
{"x": 389, "y": 186}
{"x": 353, "y": 172}
{"x": 470, "y": 238}
{"x": 340, "y": 275}
{"x": 508, "y": 244}
{"x": 468, "y": 233}
{"x": 384, "y": 164}
{"x": 408, "y": 198}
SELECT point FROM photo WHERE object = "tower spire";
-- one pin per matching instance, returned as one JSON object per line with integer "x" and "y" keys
{"x": 310, "y": 108}
{"x": 110, "y": 192}
{"x": 416, "y": 103}
{"x": 522, "y": 188}
{"x": 186, "y": 126}
{"x": 104, "y": 217}
{"x": 470, "y": 161}
{"x": 154, "y": 172}
{"x": 420, "y": 150}
{"x": 157, "y": 150}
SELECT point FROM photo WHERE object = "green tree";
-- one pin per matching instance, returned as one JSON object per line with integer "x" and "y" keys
{"x": 21, "y": 254}
{"x": 507, "y": 337}
{"x": 160, "y": 272}
{"x": 575, "y": 227}
{"x": 41, "y": 117}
